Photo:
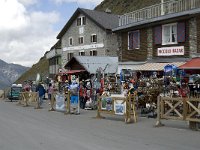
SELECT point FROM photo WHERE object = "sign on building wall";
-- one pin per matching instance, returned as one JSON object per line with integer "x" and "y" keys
{"x": 171, "y": 51}
{"x": 92, "y": 46}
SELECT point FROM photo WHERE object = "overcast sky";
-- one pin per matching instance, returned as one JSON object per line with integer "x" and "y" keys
{"x": 28, "y": 28}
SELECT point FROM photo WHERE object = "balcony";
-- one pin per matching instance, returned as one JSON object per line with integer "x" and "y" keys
{"x": 158, "y": 10}
{"x": 53, "y": 53}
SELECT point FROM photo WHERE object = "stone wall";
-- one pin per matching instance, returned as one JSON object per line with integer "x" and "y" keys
{"x": 104, "y": 37}
{"x": 193, "y": 36}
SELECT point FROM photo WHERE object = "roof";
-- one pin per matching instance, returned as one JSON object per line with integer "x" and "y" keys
{"x": 148, "y": 66}
{"x": 104, "y": 20}
{"x": 57, "y": 45}
{"x": 92, "y": 63}
{"x": 194, "y": 63}
{"x": 152, "y": 21}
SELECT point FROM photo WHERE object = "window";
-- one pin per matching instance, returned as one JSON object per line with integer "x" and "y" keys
{"x": 80, "y": 40}
{"x": 81, "y": 53}
{"x": 70, "y": 55}
{"x": 78, "y": 21}
{"x": 93, "y": 38}
{"x": 70, "y": 41}
{"x": 81, "y": 21}
{"x": 169, "y": 34}
{"x": 134, "y": 40}
{"x": 93, "y": 53}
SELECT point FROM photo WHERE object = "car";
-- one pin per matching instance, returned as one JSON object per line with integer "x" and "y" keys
{"x": 14, "y": 93}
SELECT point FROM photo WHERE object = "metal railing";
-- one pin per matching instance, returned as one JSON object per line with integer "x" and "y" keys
{"x": 173, "y": 6}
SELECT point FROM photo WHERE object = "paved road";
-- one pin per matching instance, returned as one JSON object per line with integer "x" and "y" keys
{"x": 24, "y": 128}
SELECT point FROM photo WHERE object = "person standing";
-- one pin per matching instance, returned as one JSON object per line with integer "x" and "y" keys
{"x": 50, "y": 95}
{"x": 41, "y": 91}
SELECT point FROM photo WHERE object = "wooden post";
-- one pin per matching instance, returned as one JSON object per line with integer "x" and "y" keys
{"x": 37, "y": 102}
{"x": 184, "y": 109}
{"x": 134, "y": 108}
{"x": 131, "y": 109}
{"x": 158, "y": 123}
{"x": 99, "y": 107}
{"x": 26, "y": 99}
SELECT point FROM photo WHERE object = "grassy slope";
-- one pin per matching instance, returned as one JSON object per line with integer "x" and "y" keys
{"x": 124, "y": 6}
{"x": 40, "y": 67}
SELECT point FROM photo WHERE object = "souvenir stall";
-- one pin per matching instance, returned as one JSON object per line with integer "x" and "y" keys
{"x": 72, "y": 91}
{"x": 191, "y": 71}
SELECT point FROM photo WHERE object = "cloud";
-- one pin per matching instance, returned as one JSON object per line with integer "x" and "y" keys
{"x": 25, "y": 36}
{"x": 81, "y": 2}
{"x": 28, "y": 2}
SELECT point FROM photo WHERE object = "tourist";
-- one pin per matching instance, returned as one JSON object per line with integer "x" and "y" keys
{"x": 41, "y": 91}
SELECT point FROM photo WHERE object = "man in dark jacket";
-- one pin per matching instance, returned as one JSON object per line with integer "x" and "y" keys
{"x": 41, "y": 91}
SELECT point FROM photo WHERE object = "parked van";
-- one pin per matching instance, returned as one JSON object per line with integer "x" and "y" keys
{"x": 14, "y": 93}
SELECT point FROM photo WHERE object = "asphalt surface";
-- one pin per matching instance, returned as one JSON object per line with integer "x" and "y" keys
{"x": 25, "y": 128}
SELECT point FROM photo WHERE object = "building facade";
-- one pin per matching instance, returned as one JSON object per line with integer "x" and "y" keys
{"x": 167, "y": 33}
{"x": 88, "y": 33}
{"x": 54, "y": 57}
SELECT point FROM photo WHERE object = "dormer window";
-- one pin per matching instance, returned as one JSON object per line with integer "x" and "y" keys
{"x": 81, "y": 21}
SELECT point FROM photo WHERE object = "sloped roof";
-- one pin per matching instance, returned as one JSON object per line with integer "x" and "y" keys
{"x": 92, "y": 63}
{"x": 104, "y": 20}
{"x": 194, "y": 63}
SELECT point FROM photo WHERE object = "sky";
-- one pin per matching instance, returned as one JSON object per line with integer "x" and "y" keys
{"x": 28, "y": 28}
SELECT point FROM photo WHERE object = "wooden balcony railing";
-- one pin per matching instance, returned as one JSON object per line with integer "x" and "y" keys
{"x": 173, "y": 6}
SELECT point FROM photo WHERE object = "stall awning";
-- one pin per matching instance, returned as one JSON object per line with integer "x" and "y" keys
{"x": 149, "y": 66}
{"x": 73, "y": 71}
{"x": 157, "y": 66}
{"x": 192, "y": 64}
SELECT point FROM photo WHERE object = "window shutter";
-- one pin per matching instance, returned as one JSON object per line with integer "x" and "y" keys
{"x": 136, "y": 40}
{"x": 181, "y": 32}
{"x": 158, "y": 35}
{"x": 130, "y": 44}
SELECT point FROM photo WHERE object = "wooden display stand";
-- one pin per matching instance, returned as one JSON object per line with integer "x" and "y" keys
{"x": 186, "y": 109}
{"x": 27, "y": 98}
{"x": 118, "y": 106}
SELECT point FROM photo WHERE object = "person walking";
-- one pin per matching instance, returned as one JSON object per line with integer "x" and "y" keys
{"x": 50, "y": 95}
{"x": 41, "y": 91}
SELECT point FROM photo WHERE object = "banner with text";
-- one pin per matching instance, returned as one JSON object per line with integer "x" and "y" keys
{"x": 171, "y": 51}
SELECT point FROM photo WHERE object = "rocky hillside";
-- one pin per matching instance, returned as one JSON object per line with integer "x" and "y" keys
{"x": 9, "y": 73}
{"x": 125, "y": 6}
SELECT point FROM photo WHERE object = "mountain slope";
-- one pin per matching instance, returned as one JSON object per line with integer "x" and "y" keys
{"x": 42, "y": 67}
{"x": 125, "y": 6}
{"x": 9, "y": 73}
